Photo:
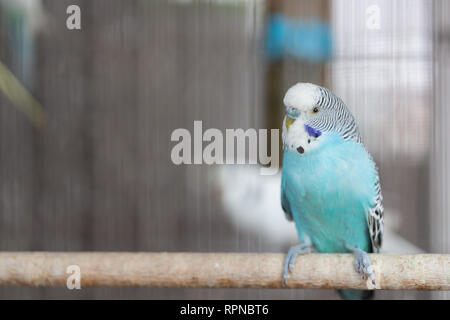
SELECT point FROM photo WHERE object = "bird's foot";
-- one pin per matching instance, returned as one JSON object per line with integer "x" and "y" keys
{"x": 289, "y": 261}
{"x": 362, "y": 265}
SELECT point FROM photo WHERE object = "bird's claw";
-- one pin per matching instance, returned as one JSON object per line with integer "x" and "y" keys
{"x": 292, "y": 254}
{"x": 362, "y": 265}
{"x": 291, "y": 265}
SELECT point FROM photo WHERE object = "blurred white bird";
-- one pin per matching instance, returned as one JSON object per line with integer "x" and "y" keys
{"x": 252, "y": 202}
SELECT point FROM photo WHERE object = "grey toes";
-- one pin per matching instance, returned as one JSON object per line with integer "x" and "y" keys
{"x": 362, "y": 265}
{"x": 289, "y": 261}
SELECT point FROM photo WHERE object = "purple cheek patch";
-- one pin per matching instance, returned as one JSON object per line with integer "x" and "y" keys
{"x": 312, "y": 132}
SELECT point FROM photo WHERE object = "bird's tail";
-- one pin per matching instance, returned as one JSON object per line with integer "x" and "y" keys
{"x": 356, "y": 294}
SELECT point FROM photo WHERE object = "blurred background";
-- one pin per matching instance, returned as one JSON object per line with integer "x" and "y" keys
{"x": 86, "y": 118}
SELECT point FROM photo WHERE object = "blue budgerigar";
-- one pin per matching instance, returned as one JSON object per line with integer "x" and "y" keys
{"x": 330, "y": 186}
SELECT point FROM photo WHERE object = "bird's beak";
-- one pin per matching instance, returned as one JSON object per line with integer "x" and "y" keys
{"x": 291, "y": 114}
{"x": 289, "y": 121}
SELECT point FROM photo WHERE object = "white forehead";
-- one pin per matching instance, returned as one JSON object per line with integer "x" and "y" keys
{"x": 302, "y": 96}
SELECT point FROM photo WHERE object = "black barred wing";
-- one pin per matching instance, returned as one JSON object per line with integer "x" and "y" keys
{"x": 375, "y": 219}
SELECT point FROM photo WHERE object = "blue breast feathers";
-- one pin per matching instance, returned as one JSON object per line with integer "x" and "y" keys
{"x": 330, "y": 190}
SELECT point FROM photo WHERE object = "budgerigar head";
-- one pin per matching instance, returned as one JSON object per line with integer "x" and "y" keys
{"x": 312, "y": 112}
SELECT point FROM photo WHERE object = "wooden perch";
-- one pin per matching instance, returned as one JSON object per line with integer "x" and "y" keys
{"x": 221, "y": 270}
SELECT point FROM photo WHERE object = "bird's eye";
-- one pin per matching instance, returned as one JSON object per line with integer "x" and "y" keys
{"x": 315, "y": 109}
